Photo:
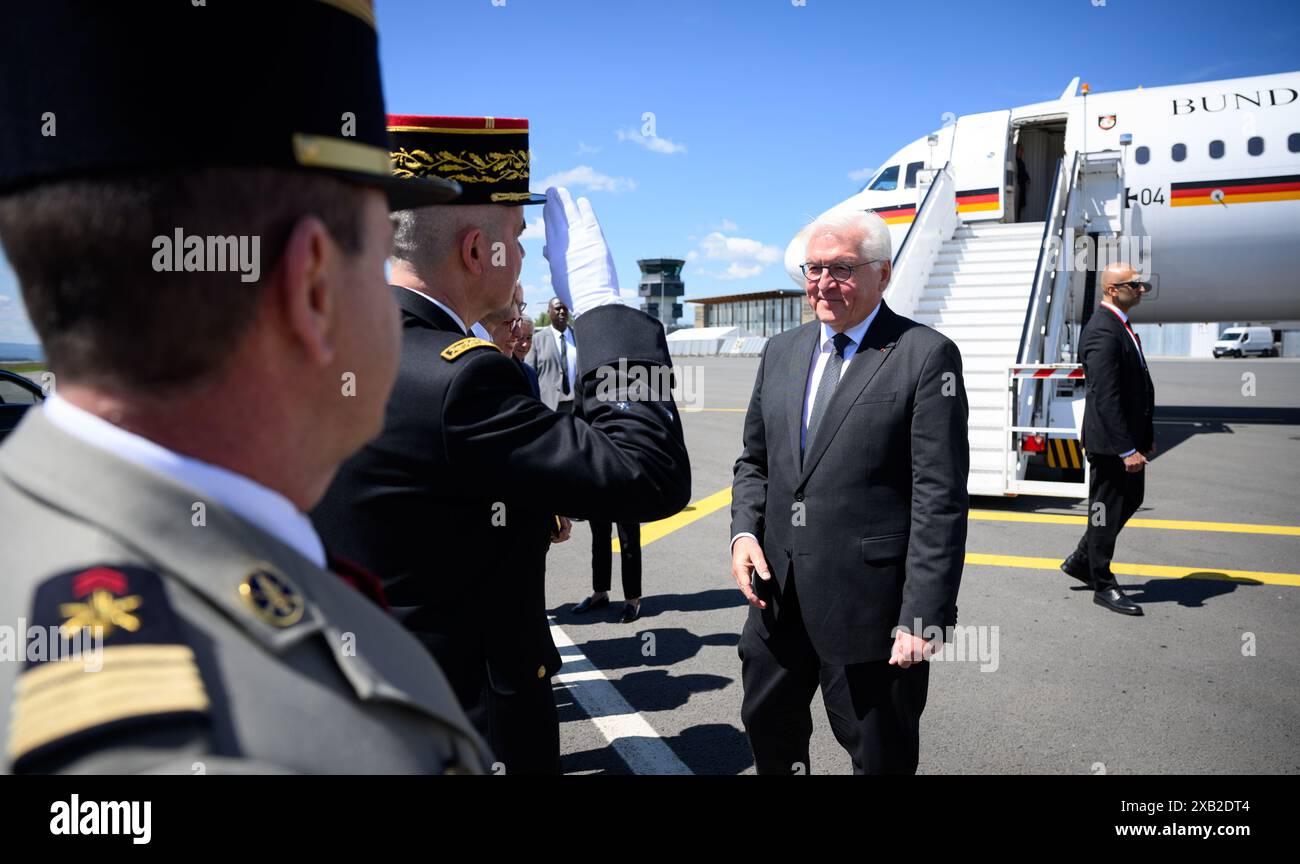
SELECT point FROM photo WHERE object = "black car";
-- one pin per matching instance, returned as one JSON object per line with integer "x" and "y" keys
{"x": 17, "y": 394}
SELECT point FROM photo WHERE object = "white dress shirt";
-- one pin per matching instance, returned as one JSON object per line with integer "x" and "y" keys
{"x": 477, "y": 329}
{"x": 264, "y": 508}
{"x": 1129, "y": 327}
{"x": 1133, "y": 338}
{"x": 567, "y": 336}
{"x": 825, "y": 347}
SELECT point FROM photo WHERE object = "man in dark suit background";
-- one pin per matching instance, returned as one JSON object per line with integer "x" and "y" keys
{"x": 849, "y": 503}
{"x": 523, "y": 345}
{"x": 1118, "y": 432}
{"x": 555, "y": 357}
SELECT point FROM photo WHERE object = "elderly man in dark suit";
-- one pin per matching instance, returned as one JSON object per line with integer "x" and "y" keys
{"x": 849, "y": 504}
{"x": 523, "y": 345}
{"x": 1118, "y": 433}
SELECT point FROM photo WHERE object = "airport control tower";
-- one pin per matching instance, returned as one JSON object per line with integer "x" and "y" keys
{"x": 661, "y": 285}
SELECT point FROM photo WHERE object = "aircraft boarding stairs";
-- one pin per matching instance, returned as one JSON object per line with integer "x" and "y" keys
{"x": 1002, "y": 292}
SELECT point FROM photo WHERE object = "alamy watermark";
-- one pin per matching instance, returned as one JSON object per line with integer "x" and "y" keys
{"x": 211, "y": 253}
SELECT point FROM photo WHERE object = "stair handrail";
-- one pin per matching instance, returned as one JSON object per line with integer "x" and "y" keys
{"x": 1040, "y": 295}
{"x": 935, "y": 221}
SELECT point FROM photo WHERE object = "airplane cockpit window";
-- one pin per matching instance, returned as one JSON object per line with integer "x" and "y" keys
{"x": 1142, "y": 155}
{"x": 886, "y": 181}
{"x": 1293, "y": 142}
{"x": 1216, "y": 149}
{"x": 1179, "y": 152}
{"x": 909, "y": 181}
{"x": 1255, "y": 146}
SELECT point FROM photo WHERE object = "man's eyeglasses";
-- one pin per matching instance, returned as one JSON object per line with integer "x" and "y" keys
{"x": 840, "y": 271}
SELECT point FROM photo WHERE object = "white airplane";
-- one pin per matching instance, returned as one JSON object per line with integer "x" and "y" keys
{"x": 1212, "y": 178}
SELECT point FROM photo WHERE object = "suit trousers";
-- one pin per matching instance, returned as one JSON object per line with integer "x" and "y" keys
{"x": 1119, "y": 493}
{"x": 522, "y": 728}
{"x": 874, "y": 708}
{"x": 629, "y": 544}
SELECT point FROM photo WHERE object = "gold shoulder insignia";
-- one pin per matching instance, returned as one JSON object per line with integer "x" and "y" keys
{"x": 456, "y": 349}
{"x": 115, "y": 621}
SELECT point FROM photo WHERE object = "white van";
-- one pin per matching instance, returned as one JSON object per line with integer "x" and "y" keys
{"x": 1240, "y": 341}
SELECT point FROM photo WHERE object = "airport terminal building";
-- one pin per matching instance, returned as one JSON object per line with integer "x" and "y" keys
{"x": 765, "y": 313}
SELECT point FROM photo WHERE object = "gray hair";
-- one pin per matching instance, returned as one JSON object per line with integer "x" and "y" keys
{"x": 425, "y": 236}
{"x": 874, "y": 244}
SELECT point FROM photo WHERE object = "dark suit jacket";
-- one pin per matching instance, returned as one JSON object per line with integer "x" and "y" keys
{"x": 544, "y": 357}
{"x": 453, "y": 503}
{"x": 1118, "y": 415}
{"x": 531, "y": 373}
{"x": 874, "y": 522}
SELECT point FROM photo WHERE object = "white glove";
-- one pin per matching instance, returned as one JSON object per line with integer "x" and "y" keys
{"x": 582, "y": 269}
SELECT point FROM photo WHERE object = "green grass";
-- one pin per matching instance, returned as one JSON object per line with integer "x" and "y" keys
{"x": 24, "y": 368}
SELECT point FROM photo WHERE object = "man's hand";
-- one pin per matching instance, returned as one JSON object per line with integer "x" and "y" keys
{"x": 747, "y": 558}
{"x": 582, "y": 268}
{"x": 909, "y": 649}
{"x": 1134, "y": 462}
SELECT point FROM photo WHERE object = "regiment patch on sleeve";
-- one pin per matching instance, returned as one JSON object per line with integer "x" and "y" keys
{"x": 115, "y": 657}
{"x": 455, "y": 349}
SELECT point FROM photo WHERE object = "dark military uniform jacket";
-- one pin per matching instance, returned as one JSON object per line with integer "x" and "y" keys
{"x": 453, "y": 503}
{"x": 223, "y": 649}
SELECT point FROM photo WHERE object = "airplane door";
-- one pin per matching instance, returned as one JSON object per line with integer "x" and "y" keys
{"x": 979, "y": 164}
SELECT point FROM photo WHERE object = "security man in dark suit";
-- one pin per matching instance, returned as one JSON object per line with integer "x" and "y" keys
{"x": 1118, "y": 433}
{"x": 849, "y": 503}
{"x": 453, "y": 504}
{"x": 151, "y": 509}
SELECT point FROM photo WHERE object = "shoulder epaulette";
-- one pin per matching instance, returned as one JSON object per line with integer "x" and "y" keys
{"x": 469, "y": 343}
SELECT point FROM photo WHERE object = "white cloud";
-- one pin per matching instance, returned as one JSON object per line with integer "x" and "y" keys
{"x": 584, "y": 148}
{"x": 745, "y": 258}
{"x": 589, "y": 179}
{"x": 534, "y": 230}
{"x": 727, "y": 225}
{"x": 719, "y": 247}
{"x": 861, "y": 175}
{"x": 654, "y": 143}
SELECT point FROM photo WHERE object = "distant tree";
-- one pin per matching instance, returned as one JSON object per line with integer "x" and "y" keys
{"x": 542, "y": 319}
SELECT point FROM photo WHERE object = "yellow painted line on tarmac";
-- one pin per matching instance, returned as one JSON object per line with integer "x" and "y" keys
{"x": 652, "y": 531}
{"x": 1167, "y": 524}
{"x": 1249, "y": 577}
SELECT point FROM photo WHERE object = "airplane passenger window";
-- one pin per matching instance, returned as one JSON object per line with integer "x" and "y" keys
{"x": 1179, "y": 152}
{"x": 1142, "y": 155}
{"x": 910, "y": 180}
{"x": 887, "y": 181}
{"x": 1255, "y": 146}
{"x": 1293, "y": 142}
{"x": 1216, "y": 149}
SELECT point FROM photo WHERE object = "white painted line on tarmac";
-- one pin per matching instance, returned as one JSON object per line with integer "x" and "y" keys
{"x": 633, "y": 739}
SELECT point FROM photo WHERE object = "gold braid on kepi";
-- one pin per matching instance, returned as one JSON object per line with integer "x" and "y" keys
{"x": 487, "y": 156}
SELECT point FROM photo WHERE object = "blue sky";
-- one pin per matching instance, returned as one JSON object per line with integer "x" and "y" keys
{"x": 764, "y": 109}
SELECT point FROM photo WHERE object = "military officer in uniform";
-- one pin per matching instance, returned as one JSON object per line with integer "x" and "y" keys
{"x": 453, "y": 503}
{"x": 203, "y": 262}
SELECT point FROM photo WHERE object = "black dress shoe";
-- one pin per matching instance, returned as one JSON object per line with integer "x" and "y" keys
{"x": 630, "y": 613}
{"x": 1114, "y": 600}
{"x": 589, "y": 605}
{"x": 1077, "y": 566}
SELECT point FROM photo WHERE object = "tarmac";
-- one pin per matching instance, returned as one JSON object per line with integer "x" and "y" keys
{"x": 1044, "y": 680}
